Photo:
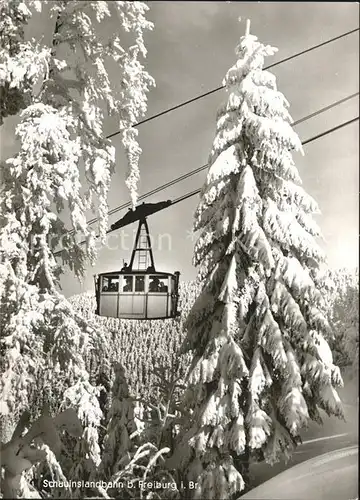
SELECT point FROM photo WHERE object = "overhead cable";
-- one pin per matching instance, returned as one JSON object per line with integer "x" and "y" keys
{"x": 205, "y": 166}
{"x": 209, "y": 92}
{"x": 197, "y": 191}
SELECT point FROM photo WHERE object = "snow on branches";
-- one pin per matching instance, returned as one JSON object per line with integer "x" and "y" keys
{"x": 68, "y": 87}
{"x": 62, "y": 91}
{"x": 345, "y": 317}
{"x": 31, "y": 444}
{"x": 262, "y": 366}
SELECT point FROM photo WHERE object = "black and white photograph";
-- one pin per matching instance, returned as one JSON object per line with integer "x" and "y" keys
{"x": 179, "y": 200}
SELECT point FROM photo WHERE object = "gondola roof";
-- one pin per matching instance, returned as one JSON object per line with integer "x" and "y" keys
{"x": 141, "y": 212}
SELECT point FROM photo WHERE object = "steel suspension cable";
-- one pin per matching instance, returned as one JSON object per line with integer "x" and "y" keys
{"x": 197, "y": 191}
{"x": 308, "y": 141}
{"x": 205, "y": 94}
{"x": 205, "y": 166}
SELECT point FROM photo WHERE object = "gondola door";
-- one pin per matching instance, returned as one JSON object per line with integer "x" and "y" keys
{"x": 126, "y": 296}
{"x": 139, "y": 297}
{"x": 132, "y": 297}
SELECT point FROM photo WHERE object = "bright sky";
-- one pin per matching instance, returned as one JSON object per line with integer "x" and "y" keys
{"x": 189, "y": 52}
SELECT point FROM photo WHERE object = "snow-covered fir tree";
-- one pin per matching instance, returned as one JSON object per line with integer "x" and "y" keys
{"x": 262, "y": 367}
{"x": 345, "y": 318}
{"x": 19, "y": 454}
{"x": 65, "y": 92}
{"x": 122, "y": 428}
{"x": 129, "y": 454}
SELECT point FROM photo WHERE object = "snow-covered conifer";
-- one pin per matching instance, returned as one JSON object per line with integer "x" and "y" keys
{"x": 127, "y": 456}
{"x": 41, "y": 442}
{"x": 61, "y": 170}
{"x": 261, "y": 364}
{"x": 345, "y": 318}
{"x": 122, "y": 428}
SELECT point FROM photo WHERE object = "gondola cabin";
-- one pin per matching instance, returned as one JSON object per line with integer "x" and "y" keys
{"x": 137, "y": 295}
{"x": 138, "y": 291}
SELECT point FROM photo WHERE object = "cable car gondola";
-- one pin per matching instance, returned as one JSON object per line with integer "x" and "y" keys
{"x": 138, "y": 290}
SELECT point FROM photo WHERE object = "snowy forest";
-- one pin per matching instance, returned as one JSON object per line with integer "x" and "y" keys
{"x": 100, "y": 407}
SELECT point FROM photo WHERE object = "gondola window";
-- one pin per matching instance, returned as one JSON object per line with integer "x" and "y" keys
{"x": 158, "y": 284}
{"x": 139, "y": 284}
{"x": 128, "y": 284}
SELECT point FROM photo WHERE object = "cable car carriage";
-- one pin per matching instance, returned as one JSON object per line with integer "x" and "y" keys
{"x": 138, "y": 291}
